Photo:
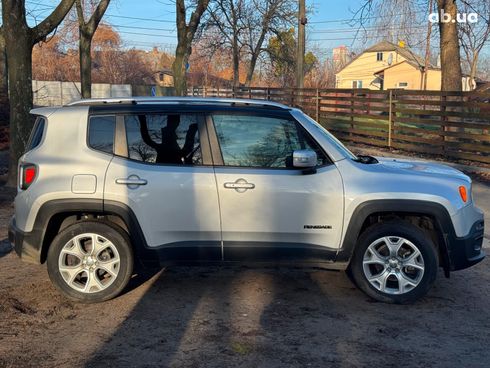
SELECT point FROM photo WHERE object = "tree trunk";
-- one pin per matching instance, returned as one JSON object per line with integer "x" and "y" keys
{"x": 3, "y": 67}
{"x": 178, "y": 68}
{"x": 251, "y": 69}
{"x": 19, "y": 40}
{"x": 85, "y": 45}
{"x": 449, "y": 44}
{"x": 4, "y": 100}
{"x": 19, "y": 59}
{"x": 473, "y": 69}
{"x": 236, "y": 63}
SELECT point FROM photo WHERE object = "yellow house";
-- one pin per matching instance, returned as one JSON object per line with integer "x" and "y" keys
{"x": 386, "y": 66}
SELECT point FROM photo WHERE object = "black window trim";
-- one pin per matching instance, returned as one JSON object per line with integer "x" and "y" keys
{"x": 122, "y": 151}
{"x": 219, "y": 162}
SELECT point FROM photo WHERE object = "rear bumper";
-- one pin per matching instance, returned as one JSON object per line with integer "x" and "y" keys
{"x": 466, "y": 251}
{"x": 26, "y": 245}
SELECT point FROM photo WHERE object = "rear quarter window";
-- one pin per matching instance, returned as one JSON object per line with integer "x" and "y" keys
{"x": 36, "y": 134}
{"x": 101, "y": 133}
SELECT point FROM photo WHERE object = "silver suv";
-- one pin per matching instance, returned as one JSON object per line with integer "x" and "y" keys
{"x": 106, "y": 183}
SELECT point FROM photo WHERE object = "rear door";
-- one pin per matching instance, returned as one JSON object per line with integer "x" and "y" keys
{"x": 164, "y": 175}
{"x": 268, "y": 208}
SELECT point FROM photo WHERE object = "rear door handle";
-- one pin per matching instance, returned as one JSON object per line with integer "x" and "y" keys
{"x": 240, "y": 185}
{"x": 132, "y": 180}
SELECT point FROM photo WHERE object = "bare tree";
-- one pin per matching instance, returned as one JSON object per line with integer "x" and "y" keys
{"x": 19, "y": 41}
{"x": 227, "y": 18}
{"x": 474, "y": 35}
{"x": 86, "y": 32}
{"x": 267, "y": 17}
{"x": 185, "y": 36}
{"x": 244, "y": 27}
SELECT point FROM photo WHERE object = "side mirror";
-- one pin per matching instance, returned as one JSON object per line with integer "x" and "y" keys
{"x": 305, "y": 159}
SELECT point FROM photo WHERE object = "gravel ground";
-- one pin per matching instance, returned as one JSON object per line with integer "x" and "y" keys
{"x": 241, "y": 316}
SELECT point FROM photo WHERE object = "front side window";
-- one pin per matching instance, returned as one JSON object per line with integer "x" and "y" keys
{"x": 163, "y": 139}
{"x": 265, "y": 142}
{"x": 101, "y": 133}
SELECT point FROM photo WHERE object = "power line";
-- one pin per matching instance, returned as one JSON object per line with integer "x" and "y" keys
{"x": 350, "y": 30}
{"x": 47, "y": 6}
{"x": 146, "y": 34}
{"x": 143, "y": 28}
{"x": 357, "y": 19}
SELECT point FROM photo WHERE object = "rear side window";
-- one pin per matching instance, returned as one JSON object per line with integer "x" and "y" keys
{"x": 36, "y": 134}
{"x": 164, "y": 139}
{"x": 101, "y": 133}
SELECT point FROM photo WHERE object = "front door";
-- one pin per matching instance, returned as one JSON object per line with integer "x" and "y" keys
{"x": 163, "y": 179}
{"x": 268, "y": 208}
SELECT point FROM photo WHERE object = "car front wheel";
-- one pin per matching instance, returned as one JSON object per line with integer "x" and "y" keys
{"x": 394, "y": 262}
{"x": 90, "y": 261}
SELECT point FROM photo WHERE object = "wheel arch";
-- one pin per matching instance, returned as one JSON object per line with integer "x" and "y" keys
{"x": 435, "y": 212}
{"x": 55, "y": 215}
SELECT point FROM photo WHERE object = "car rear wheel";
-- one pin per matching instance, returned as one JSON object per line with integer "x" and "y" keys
{"x": 90, "y": 261}
{"x": 394, "y": 262}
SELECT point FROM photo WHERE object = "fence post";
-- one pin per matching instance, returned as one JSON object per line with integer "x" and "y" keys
{"x": 61, "y": 93}
{"x": 443, "y": 120}
{"x": 353, "y": 95}
{"x": 204, "y": 92}
{"x": 250, "y": 93}
{"x": 390, "y": 117}
{"x": 317, "y": 105}
{"x": 268, "y": 94}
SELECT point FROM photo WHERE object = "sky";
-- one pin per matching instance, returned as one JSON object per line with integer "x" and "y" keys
{"x": 144, "y": 24}
{"x": 327, "y": 21}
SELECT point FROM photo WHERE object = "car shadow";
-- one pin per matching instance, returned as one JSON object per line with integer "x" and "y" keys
{"x": 5, "y": 247}
{"x": 224, "y": 316}
{"x": 237, "y": 316}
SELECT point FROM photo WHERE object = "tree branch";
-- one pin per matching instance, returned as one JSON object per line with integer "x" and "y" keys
{"x": 39, "y": 32}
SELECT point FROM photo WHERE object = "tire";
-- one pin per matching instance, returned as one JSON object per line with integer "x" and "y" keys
{"x": 397, "y": 276}
{"x": 87, "y": 274}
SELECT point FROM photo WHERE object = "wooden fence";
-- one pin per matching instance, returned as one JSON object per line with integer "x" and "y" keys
{"x": 450, "y": 124}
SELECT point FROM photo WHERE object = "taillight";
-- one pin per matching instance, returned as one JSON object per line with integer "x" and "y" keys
{"x": 28, "y": 173}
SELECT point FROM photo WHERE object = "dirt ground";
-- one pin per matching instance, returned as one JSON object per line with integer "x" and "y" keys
{"x": 241, "y": 316}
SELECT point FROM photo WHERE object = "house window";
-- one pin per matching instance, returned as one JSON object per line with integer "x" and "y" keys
{"x": 379, "y": 56}
{"x": 357, "y": 84}
{"x": 402, "y": 84}
{"x": 161, "y": 77}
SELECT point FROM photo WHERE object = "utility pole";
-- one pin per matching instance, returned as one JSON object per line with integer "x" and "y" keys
{"x": 300, "y": 56}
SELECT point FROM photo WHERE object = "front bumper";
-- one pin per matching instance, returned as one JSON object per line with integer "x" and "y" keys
{"x": 26, "y": 245}
{"x": 466, "y": 251}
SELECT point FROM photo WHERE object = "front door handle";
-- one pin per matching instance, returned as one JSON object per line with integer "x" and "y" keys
{"x": 131, "y": 180}
{"x": 240, "y": 185}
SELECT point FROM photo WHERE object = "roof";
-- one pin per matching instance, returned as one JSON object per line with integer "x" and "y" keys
{"x": 383, "y": 46}
{"x": 416, "y": 66}
{"x": 177, "y": 101}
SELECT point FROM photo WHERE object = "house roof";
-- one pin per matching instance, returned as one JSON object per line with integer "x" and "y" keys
{"x": 416, "y": 66}
{"x": 382, "y": 46}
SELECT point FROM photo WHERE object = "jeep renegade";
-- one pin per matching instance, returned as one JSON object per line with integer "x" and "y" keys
{"x": 108, "y": 183}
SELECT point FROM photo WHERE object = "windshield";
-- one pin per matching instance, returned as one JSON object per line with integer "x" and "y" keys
{"x": 331, "y": 138}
